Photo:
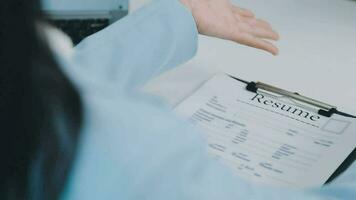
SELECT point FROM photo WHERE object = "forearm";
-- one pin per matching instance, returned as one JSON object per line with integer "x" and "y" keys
{"x": 131, "y": 51}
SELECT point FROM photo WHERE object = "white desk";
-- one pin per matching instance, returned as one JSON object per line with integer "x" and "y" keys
{"x": 317, "y": 53}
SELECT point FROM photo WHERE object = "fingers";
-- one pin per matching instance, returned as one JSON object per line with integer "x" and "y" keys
{"x": 250, "y": 40}
{"x": 258, "y": 31}
{"x": 257, "y": 22}
{"x": 243, "y": 12}
{"x": 252, "y": 31}
{"x": 264, "y": 33}
{"x": 257, "y": 27}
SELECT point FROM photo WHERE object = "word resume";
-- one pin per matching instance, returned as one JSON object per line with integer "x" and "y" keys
{"x": 266, "y": 138}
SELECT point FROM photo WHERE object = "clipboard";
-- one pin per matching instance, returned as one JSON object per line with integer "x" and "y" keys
{"x": 324, "y": 109}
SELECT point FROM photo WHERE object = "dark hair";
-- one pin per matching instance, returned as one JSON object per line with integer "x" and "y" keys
{"x": 40, "y": 110}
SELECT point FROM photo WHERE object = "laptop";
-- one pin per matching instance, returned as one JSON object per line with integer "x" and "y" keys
{"x": 81, "y": 18}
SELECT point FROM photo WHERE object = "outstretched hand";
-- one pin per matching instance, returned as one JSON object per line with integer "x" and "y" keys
{"x": 222, "y": 19}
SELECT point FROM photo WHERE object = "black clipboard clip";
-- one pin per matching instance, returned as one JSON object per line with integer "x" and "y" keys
{"x": 325, "y": 109}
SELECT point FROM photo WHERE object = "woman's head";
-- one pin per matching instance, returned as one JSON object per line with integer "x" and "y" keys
{"x": 40, "y": 111}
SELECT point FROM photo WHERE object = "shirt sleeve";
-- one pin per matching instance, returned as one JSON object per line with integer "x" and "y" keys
{"x": 136, "y": 151}
{"x": 125, "y": 55}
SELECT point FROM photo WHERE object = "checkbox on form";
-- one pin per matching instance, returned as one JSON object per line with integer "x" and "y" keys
{"x": 336, "y": 126}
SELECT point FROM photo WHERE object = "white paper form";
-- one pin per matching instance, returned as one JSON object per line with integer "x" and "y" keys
{"x": 267, "y": 139}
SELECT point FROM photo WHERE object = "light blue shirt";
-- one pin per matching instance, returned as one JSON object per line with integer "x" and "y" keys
{"x": 132, "y": 146}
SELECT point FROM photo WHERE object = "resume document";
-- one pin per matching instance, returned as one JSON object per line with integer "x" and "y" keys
{"x": 266, "y": 138}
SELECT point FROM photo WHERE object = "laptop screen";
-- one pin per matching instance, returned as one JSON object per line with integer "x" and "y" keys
{"x": 81, "y": 18}
{"x": 84, "y": 5}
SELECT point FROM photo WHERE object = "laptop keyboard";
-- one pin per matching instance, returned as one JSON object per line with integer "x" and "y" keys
{"x": 78, "y": 29}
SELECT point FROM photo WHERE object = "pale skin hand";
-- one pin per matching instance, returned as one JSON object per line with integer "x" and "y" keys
{"x": 222, "y": 19}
